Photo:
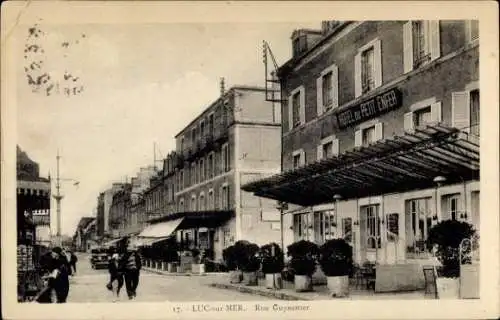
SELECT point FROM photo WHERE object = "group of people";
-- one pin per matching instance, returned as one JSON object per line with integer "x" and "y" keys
{"x": 57, "y": 265}
{"x": 124, "y": 268}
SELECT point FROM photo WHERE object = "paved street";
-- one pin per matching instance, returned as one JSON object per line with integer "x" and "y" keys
{"x": 88, "y": 285}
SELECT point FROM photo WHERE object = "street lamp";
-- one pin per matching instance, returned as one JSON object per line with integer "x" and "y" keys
{"x": 336, "y": 198}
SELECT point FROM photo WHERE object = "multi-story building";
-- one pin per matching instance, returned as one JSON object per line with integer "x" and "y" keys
{"x": 380, "y": 135}
{"x": 120, "y": 209}
{"x": 85, "y": 233}
{"x": 100, "y": 216}
{"x": 235, "y": 139}
{"x": 104, "y": 202}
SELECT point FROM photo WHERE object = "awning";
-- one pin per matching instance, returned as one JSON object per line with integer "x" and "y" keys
{"x": 112, "y": 242}
{"x": 402, "y": 163}
{"x": 197, "y": 219}
{"x": 144, "y": 242}
{"x": 162, "y": 229}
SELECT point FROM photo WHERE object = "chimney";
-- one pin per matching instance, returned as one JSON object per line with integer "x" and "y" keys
{"x": 222, "y": 88}
{"x": 329, "y": 25}
{"x": 303, "y": 40}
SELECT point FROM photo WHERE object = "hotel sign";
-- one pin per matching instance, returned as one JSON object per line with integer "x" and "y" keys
{"x": 376, "y": 106}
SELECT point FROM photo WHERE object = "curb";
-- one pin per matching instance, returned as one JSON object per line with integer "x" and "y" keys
{"x": 175, "y": 274}
{"x": 261, "y": 292}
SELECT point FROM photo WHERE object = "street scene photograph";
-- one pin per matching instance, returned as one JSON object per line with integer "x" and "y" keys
{"x": 325, "y": 160}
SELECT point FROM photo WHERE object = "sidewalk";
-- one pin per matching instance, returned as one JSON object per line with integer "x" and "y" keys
{"x": 320, "y": 292}
{"x": 180, "y": 274}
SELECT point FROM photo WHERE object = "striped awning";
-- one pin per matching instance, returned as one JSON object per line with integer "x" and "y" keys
{"x": 398, "y": 164}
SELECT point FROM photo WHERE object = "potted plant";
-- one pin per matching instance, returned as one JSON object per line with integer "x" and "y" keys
{"x": 249, "y": 263}
{"x": 230, "y": 257}
{"x": 272, "y": 264}
{"x": 303, "y": 263}
{"x": 336, "y": 263}
{"x": 444, "y": 238}
{"x": 197, "y": 266}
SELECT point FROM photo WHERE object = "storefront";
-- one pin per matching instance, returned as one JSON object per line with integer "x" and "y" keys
{"x": 382, "y": 198}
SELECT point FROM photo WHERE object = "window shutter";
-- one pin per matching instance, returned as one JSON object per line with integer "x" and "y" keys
{"x": 302, "y": 157}
{"x": 434, "y": 39}
{"x": 408, "y": 47}
{"x": 319, "y": 95}
{"x": 319, "y": 152}
{"x": 358, "y": 139}
{"x": 436, "y": 113}
{"x": 377, "y": 63}
{"x": 379, "y": 131}
{"x": 357, "y": 75}
{"x": 460, "y": 109}
{"x": 408, "y": 121}
{"x": 335, "y": 147}
{"x": 302, "y": 105}
{"x": 290, "y": 113}
{"x": 335, "y": 86}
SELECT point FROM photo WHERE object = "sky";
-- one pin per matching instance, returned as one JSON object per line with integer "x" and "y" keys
{"x": 142, "y": 83}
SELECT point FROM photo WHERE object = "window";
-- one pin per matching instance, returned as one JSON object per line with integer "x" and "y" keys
{"x": 225, "y": 158}
{"x": 193, "y": 136}
{"x": 296, "y": 109}
{"x": 474, "y": 112}
{"x": 211, "y": 124}
{"x": 224, "y": 197}
{"x": 372, "y": 226}
{"x": 193, "y": 173}
{"x": 181, "y": 180}
{"x": 421, "y": 42}
{"x": 181, "y": 205}
{"x": 210, "y": 170}
{"x": 368, "y": 135}
{"x": 418, "y": 225}
{"x": 299, "y": 45}
{"x": 210, "y": 204}
{"x": 201, "y": 171}
{"x": 329, "y": 147}
{"x": 327, "y": 90}
{"x": 422, "y": 117}
{"x": 202, "y": 128}
{"x": 452, "y": 206}
{"x": 202, "y": 202}
{"x": 193, "y": 203}
{"x": 367, "y": 70}
{"x": 182, "y": 143}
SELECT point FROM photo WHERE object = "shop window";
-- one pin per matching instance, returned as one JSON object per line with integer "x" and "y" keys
{"x": 421, "y": 42}
{"x": 419, "y": 219}
{"x": 474, "y": 113}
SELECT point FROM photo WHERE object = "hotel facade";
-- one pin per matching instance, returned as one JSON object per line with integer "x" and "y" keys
{"x": 236, "y": 139}
{"x": 380, "y": 135}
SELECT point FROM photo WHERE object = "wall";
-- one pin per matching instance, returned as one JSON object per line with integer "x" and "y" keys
{"x": 259, "y": 148}
{"x": 438, "y": 79}
{"x": 251, "y": 106}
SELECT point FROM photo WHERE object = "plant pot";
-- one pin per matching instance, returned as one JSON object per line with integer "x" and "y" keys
{"x": 447, "y": 288}
{"x": 198, "y": 268}
{"x": 303, "y": 283}
{"x": 273, "y": 281}
{"x": 235, "y": 276}
{"x": 250, "y": 278}
{"x": 338, "y": 286}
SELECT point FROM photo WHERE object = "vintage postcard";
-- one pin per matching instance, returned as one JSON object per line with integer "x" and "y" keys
{"x": 249, "y": 159}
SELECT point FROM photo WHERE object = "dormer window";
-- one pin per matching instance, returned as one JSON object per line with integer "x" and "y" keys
{"x": 299, "y": 45}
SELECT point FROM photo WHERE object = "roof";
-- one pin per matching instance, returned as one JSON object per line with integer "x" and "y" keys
{"x": 398, "y": 164}
{"x": 218, "y": 100}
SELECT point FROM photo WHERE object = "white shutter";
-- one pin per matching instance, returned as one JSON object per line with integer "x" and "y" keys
{"x": 460, "y": 109}
{"x": 379, "y": 131}
{"x": 302, "y": 105}
{"x": 335, "y": 86}
{"x": 434, "y": 39}
{"x": 335, "y": 147}
{"x": 358, "y": 138}
{"x": 319, "y": 95}
{"x": 436, "y": 113}
{"x": 290, "y": 113}
{"x": 408, "y": 47}
{"x": 357, "y": 75}
{"x": 302, "y": 157}
{"x": 319, "y": 152}
{"x": 377, "y": 63}
{"x": 408, "y": 121}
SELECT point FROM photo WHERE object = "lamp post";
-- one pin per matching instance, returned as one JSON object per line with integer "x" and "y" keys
{"x": 282, "y": 206}
{"x": 336, "y": 198}
{"x": 439, "y": 180}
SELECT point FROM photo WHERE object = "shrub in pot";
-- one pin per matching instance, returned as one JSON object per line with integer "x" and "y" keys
{"x": 230, "y": 256}
{"x": 336, "y": 262}
{"x": 303, "y": 255}
{"x": 197, "y": 265}
{"x": 445, "y": 238}
{"x": 272, "y": 265}
{"x": 249, "y": 263}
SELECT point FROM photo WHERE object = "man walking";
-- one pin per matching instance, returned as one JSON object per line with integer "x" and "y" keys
{"x": 132, "y": 266}
{"x": 73, "y": 260}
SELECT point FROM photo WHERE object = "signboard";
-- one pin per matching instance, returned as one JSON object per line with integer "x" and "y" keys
{"x": 369, "y": 109}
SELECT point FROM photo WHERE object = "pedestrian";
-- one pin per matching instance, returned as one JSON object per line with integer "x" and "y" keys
{"x": 73, "y": 260}
{"x": 116, "y": 273}
{"x": 59, "y": 275}
{"x": 131, "y": 263}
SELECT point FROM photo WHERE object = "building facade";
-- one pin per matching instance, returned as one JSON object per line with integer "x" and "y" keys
{"x": 380, "y": 135}
{"x": 85, "y": 234}
{"x": 120, "y": 209}
{"x": 234, "y": 140}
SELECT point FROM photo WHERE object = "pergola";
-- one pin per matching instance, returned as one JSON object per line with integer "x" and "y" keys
{"x": 398, "y": 164}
